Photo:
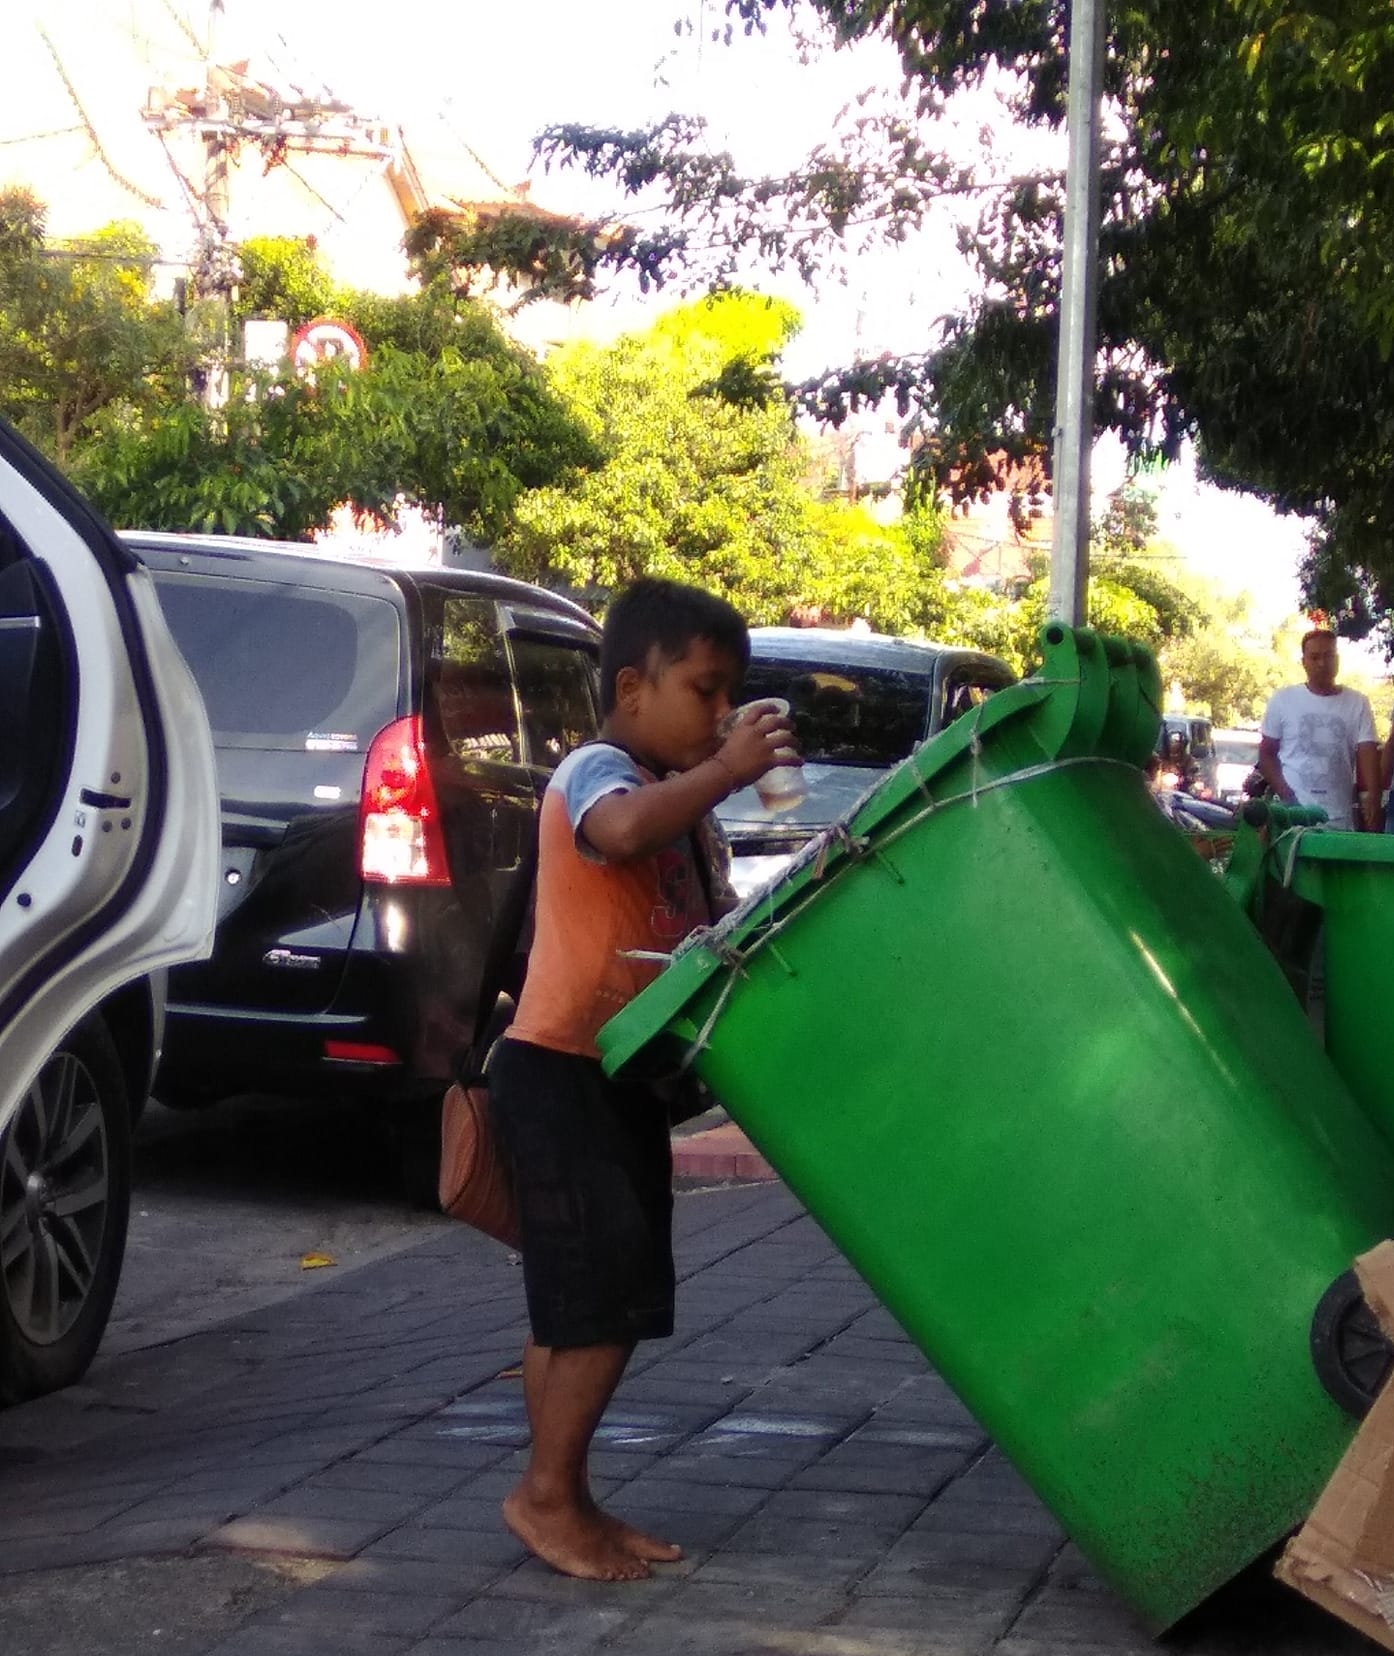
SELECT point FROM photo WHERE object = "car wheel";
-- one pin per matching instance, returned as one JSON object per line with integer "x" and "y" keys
{"x": 65, "y": 1195}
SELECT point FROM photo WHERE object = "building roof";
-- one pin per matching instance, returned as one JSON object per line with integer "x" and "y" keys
{"x": 107, "y": 110}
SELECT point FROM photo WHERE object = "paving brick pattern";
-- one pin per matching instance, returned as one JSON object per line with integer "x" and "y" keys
{"x": 832, "y": 1494}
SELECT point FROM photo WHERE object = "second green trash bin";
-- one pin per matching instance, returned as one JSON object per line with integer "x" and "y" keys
{"x": 1347, "y": 880}
{"x": 1008, "y": 1039}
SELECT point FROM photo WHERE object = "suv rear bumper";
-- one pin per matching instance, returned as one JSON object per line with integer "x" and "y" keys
{"x": 211, "y": 1053}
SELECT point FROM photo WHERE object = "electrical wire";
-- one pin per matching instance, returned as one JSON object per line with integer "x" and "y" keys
{"x": 102, "y": 156}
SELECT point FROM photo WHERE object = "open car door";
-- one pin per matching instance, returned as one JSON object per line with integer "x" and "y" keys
{"x": 108, "y": 867}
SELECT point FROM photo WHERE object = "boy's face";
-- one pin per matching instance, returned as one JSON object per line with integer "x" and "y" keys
{"x": 672, "y": 709}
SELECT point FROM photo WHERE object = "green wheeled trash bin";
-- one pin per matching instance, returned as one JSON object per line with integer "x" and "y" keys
{"x": 1005, "y": 1035}
{"x": 1346, "y": 880}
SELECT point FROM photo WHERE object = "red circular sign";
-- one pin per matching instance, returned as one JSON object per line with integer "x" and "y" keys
{"x": 326, "y": 340}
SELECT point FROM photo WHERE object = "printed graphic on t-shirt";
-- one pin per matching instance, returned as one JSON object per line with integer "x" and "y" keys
{"x": 1322, "y": 739}
{"x": 675, "y": 910}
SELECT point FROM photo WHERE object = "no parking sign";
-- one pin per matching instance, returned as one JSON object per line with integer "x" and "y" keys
{"x": 326, "y": 340}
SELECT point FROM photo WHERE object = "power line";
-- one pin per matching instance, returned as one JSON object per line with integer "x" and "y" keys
{"x": 38, "y": 137}
{"x": 103, "y": 157}
{"x": 75, "y": 255}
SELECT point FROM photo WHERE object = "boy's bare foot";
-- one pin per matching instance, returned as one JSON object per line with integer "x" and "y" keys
{"x": 572, "y": 1540}
{"x": 635, "y": 1541}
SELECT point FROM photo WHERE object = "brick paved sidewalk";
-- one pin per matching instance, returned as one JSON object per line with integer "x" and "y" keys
{"x": 322, "y": 1478}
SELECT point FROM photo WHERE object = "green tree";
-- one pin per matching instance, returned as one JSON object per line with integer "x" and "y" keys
{"x": 709, "y": 487}
{"x": 79, "y": 330}
{"x": 284, "y": 278}
{"x": 545, "y": 255}
{"x": 447, "y": 414}
{"x": 1244, "y": 296}
{"x": 1322, "y": 73}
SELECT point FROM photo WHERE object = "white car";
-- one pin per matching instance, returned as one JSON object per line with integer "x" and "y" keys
{"x": 860, "y": 702}
{"x": 108, "y": 875}
{"x": 1236, "y": 755}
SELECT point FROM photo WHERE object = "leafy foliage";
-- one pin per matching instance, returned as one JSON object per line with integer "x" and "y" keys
{"x": 78, "y": 328}
{"x": 1244, "y": 295}
{"x": 447, "y": 414}
{"x": 545, "y": 255}
{"x": 713, "y": 491}
{"x": 1322, "y": 74}
{"x": 457, "y": 435}
{"x": 282, "y": 277}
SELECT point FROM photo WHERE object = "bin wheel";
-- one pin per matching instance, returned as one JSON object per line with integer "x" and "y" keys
{"x": 1350, "y": 1351}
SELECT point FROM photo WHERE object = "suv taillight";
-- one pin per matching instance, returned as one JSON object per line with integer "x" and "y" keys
{"x": 399, "y": 830}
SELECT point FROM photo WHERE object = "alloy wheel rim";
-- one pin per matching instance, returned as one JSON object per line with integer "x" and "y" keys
{"x": 54, "y": 1194}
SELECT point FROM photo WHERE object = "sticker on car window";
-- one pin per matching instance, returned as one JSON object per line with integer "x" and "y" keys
{"x": 331, "y": 741}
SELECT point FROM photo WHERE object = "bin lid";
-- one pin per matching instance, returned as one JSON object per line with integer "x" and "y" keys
{"x": 1322, "y": 844}
{"x": 1094, "y": 698}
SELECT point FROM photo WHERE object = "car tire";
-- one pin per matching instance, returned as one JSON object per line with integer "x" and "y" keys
{"x": 65, "y": 1196}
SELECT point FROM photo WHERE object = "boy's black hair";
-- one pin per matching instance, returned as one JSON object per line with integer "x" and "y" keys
{"x": 666, "y": 616}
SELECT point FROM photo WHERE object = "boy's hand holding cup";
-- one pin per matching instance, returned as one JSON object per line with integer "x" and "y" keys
{"x": 758, "y": 746}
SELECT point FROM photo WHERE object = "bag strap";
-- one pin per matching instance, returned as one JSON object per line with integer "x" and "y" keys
{"x": 503, "y": 941}
{"x": 696, "y": 849}
{"x": 508, "y": 929}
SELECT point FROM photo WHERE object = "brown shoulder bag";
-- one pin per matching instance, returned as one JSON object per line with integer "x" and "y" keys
{"x": 475, "y": 1184}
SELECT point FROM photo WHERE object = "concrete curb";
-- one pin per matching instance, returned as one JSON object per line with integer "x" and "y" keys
{"x": 722, "y": 1152}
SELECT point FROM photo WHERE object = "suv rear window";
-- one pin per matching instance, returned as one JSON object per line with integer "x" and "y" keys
{"x": 285, "y": 667}
{"x": 478, "y": 697}
{"x": 556, "y": 685}
{"x": 847, "y": 715}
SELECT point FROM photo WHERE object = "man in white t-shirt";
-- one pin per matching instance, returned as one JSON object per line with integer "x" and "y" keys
{"x": 1318, "y": 738}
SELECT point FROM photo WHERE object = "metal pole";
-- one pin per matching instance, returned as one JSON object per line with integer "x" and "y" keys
{"x": 215, "y": 173}
{"x": 1074, "y": 384}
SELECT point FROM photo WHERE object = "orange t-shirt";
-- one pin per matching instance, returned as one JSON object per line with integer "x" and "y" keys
{"x": 590, "y": 911}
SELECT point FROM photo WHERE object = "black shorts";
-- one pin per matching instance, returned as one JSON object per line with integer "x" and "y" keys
{"x": 593, "y": 1167}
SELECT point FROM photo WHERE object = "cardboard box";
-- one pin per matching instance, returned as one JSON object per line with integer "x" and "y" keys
{"x": 1343, "y": 1556}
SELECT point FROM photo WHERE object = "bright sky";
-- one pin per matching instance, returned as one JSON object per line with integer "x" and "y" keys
{"x": 496, "y": 74}
{"x": 499, "y": 73}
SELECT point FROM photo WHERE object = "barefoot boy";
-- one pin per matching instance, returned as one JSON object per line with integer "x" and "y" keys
{"x": 591, "y": 1156}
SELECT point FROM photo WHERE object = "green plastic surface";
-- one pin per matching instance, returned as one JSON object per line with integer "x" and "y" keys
{"x": 1033, "y": 1071}
{"x": 1351, "y": 877}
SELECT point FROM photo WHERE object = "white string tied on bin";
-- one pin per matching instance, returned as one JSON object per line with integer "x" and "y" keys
{"x": 714, "y": 939}
{"x": 975, "y": 753}
{"x": 855, "y": 846}
{"x": 734, "y": 960}
{"x": 1295, "y": 837}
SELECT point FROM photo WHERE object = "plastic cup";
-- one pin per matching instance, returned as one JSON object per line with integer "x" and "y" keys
{"x": 783, "y": 786}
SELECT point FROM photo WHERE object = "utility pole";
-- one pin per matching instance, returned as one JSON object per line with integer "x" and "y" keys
{"x": 1074, "y": 386}
{"x": 215, "y": 173}
{"x": 217, "y": 269}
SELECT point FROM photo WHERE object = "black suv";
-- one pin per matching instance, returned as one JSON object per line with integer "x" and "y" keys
{"x": 382, "y": 738}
